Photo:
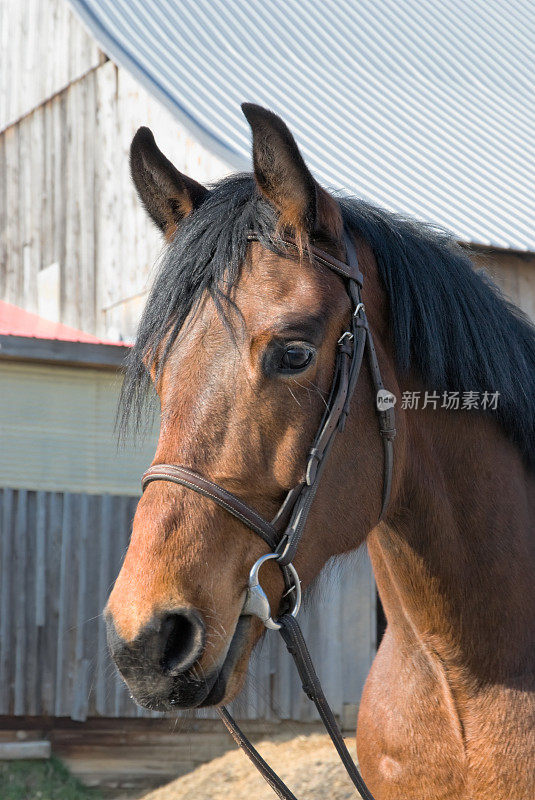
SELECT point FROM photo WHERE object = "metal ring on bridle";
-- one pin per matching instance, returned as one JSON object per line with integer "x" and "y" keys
{"x": 256, "y": 601}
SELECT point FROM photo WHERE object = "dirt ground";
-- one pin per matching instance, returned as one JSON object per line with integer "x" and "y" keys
{"x": 308, "y": 764}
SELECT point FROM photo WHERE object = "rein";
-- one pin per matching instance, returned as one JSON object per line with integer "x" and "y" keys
{"x": 283, "y": 534}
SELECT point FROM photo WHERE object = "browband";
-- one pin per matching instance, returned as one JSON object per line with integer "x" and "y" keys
{"x": 349, "y": 270}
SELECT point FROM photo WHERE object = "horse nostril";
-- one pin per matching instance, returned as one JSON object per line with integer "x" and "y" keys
{"x": 182, "y": 638}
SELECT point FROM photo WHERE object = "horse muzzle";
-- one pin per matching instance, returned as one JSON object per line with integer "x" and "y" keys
{"x": 161, "y": 665}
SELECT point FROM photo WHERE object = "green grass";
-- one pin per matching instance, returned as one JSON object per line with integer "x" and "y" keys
{"x": 41, "y": 780}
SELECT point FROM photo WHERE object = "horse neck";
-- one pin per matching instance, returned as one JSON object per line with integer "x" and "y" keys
{"x": 455, "y": 563}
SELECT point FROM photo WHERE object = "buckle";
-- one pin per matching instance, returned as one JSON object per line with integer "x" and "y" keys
{"x": 314, "y": 460}
{"x": 346, "y": 335}
{"x": 256, "y": 602}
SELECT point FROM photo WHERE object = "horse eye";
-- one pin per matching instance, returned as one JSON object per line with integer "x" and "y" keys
{"x": 296, "y": 357}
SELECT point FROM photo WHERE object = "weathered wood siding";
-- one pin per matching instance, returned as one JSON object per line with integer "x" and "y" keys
{"x": 59, "y": 556}
{"x": 44, "y": 48}
{"x": 66, "y": 199}
{"x": 513, "y": 272}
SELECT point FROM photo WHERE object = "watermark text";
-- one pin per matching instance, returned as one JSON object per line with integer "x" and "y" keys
{"x": 452, "y": 401}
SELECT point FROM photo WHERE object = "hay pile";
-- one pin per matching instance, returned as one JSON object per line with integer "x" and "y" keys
{"x": 308, "y": 764}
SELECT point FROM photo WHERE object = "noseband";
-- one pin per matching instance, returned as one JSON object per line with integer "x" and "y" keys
{"x": 283, "y": 534}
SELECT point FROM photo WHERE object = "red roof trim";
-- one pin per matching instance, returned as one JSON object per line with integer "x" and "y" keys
{"x": 16, "y": 321}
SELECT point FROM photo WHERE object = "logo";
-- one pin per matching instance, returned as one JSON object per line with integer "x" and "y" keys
{"x": 385, "y": 400}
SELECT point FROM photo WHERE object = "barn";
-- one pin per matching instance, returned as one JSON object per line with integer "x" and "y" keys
{"x": 422, "y": 111}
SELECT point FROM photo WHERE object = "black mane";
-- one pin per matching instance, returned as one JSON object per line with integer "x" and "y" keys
{"x": 449, "y": 323}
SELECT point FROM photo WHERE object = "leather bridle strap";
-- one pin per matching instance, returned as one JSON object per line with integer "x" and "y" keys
{"x": 296, "y": 645}
{"x": 283, "y": 534}
{"x": 192, "y": 480}
{"x": 271, "y": 777}
{"x": 349, "y": 270}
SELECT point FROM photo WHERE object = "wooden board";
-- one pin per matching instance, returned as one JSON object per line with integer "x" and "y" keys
{"x": 133, "y": 755}
{"x": 33, "y": 70}
{"x": 18, "y": 751}
{"x": 67, "y": 199}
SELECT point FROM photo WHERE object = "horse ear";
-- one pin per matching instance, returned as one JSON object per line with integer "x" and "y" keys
{"x": 280, "y": 170}
{"x": 166, "y": 193}
{"x": 283, "y": 177}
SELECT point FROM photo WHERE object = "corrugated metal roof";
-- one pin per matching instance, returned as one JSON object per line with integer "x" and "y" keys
{"x": 426, "y": 108}
{"x": 16, "y": 321}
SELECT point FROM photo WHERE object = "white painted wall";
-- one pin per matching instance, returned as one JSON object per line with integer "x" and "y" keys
{"x": 57, "y": 432}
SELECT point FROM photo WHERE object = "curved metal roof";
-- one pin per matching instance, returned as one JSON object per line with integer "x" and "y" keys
{"x": 422, "y": 107}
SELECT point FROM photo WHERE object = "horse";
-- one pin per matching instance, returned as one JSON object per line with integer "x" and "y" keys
{"x": 239, "y": 338}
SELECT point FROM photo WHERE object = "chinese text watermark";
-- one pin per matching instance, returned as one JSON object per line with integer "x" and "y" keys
{"x": 452, "y": 401}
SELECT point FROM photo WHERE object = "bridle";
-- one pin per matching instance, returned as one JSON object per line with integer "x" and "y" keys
{"x": 283, "y": 534}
